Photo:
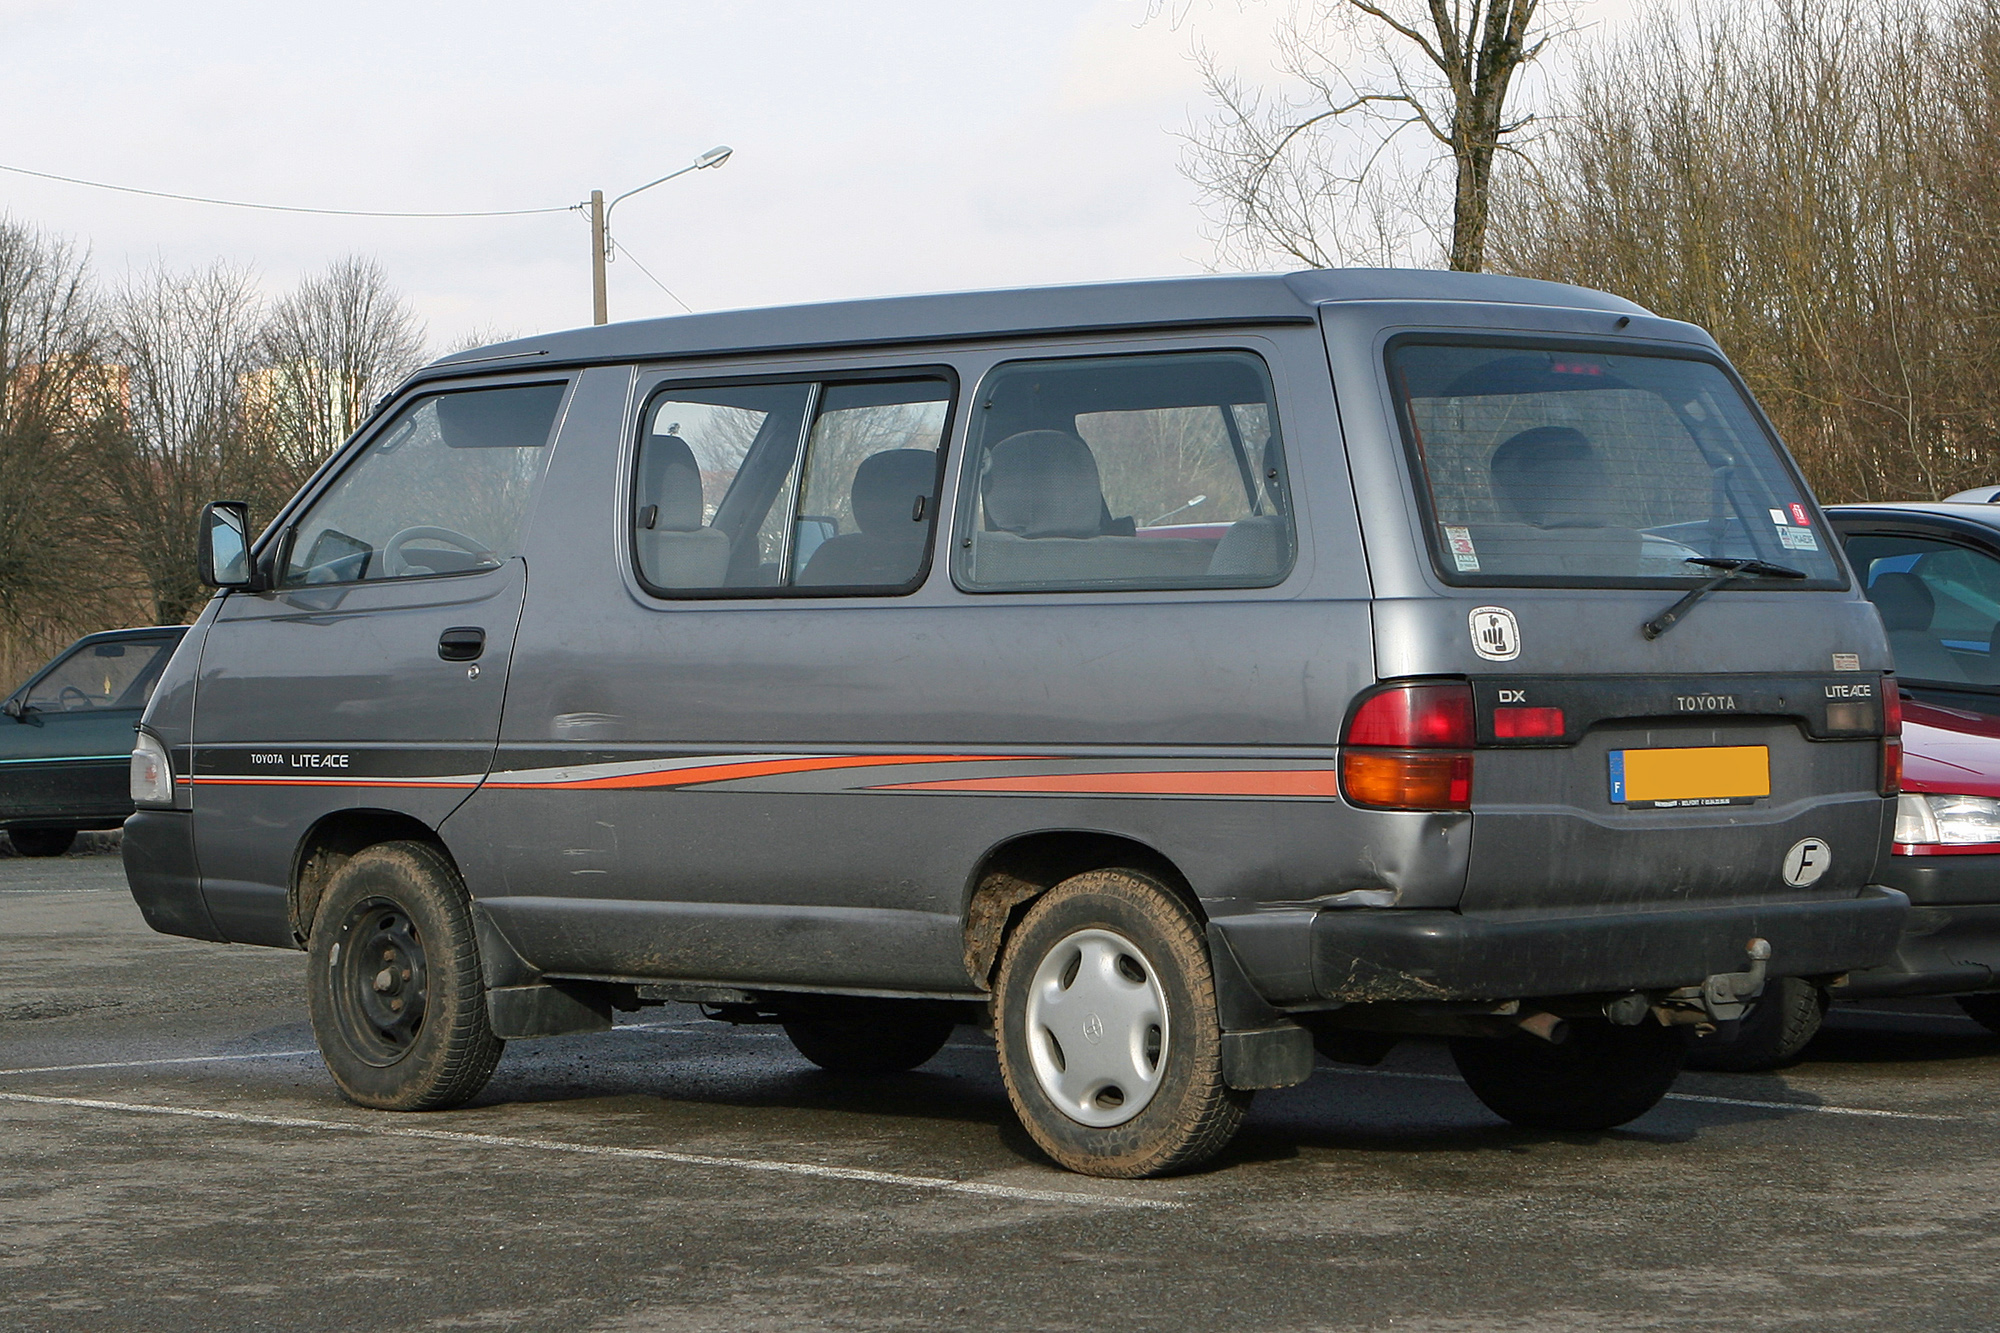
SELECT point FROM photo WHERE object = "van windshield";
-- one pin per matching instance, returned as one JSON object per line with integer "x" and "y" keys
{"x": 1548, "y": 466}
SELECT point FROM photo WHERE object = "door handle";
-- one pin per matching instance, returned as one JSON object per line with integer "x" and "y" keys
{"x": 462, "y": 644}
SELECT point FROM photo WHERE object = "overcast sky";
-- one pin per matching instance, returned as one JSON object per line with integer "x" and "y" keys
{"x": 881, "y": 146}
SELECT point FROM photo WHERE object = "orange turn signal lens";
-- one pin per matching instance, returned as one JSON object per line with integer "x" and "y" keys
{"x": 1406, "y": 780}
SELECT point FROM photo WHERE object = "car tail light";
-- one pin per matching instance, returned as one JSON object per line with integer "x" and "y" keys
{"x": 1941, "y": 824}
{"x": 1892, "y": 737}
{"x": 1408, "y": 747}
{"x": 152, "y": 773}
{"x": 1520, "y": 724}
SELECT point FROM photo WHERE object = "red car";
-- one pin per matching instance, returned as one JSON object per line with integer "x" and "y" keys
{"x": 1933, "y": 572}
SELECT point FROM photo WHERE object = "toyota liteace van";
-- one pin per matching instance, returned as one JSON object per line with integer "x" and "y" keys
{"x": 1173, "y": 676}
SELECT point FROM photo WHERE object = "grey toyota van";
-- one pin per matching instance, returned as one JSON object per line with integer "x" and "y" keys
{"x": 1175, "y": 676}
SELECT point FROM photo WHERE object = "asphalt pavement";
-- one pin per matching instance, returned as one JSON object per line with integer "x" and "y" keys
{"x": 173, "y": 1156}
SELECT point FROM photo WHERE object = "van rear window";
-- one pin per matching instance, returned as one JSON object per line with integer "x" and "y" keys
{"x": 1542, "y": 465}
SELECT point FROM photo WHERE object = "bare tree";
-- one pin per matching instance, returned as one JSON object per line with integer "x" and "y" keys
{"x": 1319, "y": 172}
{"x": 188, "y": 345}
{"x": 330, "y": 349}
{"x": 55, "y": 395}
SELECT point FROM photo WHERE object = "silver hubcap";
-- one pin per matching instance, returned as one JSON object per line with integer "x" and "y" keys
{"x": 1097, "y": 1028}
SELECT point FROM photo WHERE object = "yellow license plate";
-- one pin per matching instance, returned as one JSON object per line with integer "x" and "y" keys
{"x": 1706, "y": 775}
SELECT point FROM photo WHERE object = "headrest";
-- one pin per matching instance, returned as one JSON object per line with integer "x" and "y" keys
{"x": 885, "y": 491}
{"x": 1903, "y": 600}
{"x": 1551, "y": 477}
{"x": 670, "y": 479}
{"x": 1044, "y": 483}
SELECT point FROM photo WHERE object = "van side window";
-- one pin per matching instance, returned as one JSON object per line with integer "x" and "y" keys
{"x": 736, "y": 495}
{"x": 1127, "y": 472}
{"x": 442, "y": 489}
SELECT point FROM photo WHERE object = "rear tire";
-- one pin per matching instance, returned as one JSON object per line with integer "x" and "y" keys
{"x": 1982, "y": 1009}
{"x": 1600, "y": 1077}
{"x": 1783, "y": 1019}
{"x": 1109, "y": 1041}
{"x": 866, "y": 1039}
{"x": 42, "y": 841}
{"x": 393, "y": 985}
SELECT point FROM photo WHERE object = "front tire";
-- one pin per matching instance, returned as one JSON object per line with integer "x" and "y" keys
{"x": 1600, "y": 1077}
{"x": 1780, "y": 1023}
{"x": 42, "y": 841}
{"x": 1109, "y": 1042}
{"x": 867, "y": 1039}
{"x": 393, "y": 985}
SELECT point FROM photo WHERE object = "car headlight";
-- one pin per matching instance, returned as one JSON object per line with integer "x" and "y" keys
{"x": 152, "y": 773}
{"x": 1949, "y": 820}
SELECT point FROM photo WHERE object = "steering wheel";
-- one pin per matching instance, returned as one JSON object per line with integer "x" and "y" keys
{"x": 62, "y": 697}
{"x": 395, "y": 564}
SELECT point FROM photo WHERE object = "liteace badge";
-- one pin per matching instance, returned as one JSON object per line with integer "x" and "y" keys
{"x": 1495, "y": 636}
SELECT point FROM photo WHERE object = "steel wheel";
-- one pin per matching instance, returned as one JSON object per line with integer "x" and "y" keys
{"x": 393, "y": 984}
{"x": 379, "y": 977}
{"x": 1097, "y": 1020}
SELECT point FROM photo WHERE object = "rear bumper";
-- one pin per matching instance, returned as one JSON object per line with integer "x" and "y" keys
{"x": 1383, "y": 956}
{"x": 158, "y": 850}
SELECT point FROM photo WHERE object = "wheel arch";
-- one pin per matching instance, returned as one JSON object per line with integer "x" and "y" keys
{"x": 1015, "y": 872}
{"x": 328, "y": 845}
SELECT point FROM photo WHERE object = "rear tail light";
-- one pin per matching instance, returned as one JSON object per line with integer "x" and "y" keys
{"x": 1408, "y": 747}
{"x": 1892, "y": 737}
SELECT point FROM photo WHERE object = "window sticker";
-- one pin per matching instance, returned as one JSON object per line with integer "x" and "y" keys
{"x": 1847, "y": 661}
{"x": 1462, "y": 552}
{"x": 1798, "y": 539}
{"x": 1778, "y": 517}
{"x": 1799, "y": 515}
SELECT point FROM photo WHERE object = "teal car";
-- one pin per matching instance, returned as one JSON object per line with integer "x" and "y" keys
{"x": 66, "y": 739}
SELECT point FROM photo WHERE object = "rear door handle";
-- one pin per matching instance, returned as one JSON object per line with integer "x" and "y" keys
{"x": 462, "y": 644}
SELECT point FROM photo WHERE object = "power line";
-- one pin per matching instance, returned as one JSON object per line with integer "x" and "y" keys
{"x": 288, "y": 208}
{"x": 627, "y": 251}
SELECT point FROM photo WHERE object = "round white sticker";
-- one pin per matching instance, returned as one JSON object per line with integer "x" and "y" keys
{"x": 1806, "y": 862}
{"x": 1495, "y": 636}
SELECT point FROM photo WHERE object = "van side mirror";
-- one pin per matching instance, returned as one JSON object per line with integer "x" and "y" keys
{"x": 15, "y": 709}
{"x": 222, "y": 556}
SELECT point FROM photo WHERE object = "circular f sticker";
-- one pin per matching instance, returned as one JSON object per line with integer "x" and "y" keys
{"x": 1495, "y": 636}
{"x": 1806, "y": 862}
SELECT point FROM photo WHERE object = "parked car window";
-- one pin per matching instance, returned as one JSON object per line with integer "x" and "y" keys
{"x": 1127, "y": 472}
{"x": 723, "y": 506}
{"x": 101, "y": 675}
{"x": 1940, "y": 603}
{"x": 1578, "y": 468}
{"x": 442, "y": 489}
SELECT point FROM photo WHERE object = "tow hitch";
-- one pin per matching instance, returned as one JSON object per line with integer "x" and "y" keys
{"x": 1723, "y": 998}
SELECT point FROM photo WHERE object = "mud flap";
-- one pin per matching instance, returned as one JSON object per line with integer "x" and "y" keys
{"x": 1261, "y": 1048}
{"x": 547, "y": 1010}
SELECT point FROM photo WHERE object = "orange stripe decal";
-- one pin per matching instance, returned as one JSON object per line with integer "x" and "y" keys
{"x": 687, "y": 777}
{"x": 1256, "y": 782}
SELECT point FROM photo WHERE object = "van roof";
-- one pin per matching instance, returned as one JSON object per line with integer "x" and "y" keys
{"x": 1013, "y": 312}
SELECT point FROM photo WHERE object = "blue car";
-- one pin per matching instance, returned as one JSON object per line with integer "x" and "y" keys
{"x": 66, "y": 742}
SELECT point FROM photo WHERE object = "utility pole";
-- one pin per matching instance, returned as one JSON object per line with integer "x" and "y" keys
{"x": 600, "y": 222}
{"x": 600, "y": 312}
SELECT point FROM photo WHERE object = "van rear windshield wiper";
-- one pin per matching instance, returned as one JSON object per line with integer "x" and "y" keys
{"x": 1731, "y": 569}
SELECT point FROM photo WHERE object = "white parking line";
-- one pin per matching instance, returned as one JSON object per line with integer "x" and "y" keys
{"x": 1687, "y": 1097}
{"x": 170, "y": 1060}
{"x": 812, "y": 1169}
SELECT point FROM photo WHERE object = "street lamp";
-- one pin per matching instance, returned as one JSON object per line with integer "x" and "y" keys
{"x": 600, "y": 225}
